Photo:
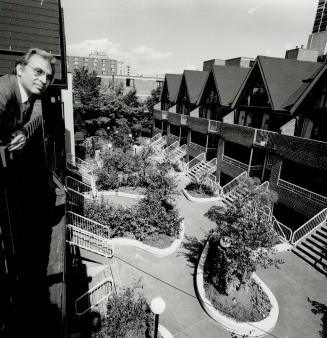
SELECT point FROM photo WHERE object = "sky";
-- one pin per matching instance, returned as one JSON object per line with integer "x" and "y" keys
{"x": 167, "y": 36}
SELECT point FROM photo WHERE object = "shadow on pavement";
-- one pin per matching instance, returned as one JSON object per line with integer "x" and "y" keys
{"x": 320, "y": 309}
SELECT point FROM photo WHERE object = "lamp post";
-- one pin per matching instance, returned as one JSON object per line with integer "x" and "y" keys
{"x": 157, "y": 306}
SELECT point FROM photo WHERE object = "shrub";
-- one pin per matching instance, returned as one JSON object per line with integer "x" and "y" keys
{"x": 128, "y": 315}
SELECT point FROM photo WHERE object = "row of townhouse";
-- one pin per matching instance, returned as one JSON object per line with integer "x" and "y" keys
{"x": 269, "y": 120}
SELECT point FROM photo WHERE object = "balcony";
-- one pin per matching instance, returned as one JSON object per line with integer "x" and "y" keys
{"x": 36, "y": 252}
{"x": 235, "y": 163}
{"x": 159, "y": 114}
{"x": 302, "y": 191}
{"x": 197, "y": 147}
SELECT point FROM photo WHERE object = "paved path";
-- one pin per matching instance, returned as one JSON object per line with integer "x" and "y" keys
{"x": 172, "y": 279}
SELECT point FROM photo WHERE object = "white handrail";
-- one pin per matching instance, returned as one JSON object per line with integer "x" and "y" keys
{"x": 171, "y": 148}
{"x": 195, "y": 161}
{"x": 93, "y": 297}
{"x": 227, "y": 188}
{"x": 236, "y": 163}
{"x": 309, "y": 226}
{"x": 87, "y": 224}
{"x": 178, "y": 153}
{"x": 77, "y": 185}
{"x": 155, "y": 138}
{"x": 75, "y": 198}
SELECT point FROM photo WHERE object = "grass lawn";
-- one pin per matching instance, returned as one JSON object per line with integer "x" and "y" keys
{"x": 160, "y": 241}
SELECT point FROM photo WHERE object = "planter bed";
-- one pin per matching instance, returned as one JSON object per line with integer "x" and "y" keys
{"x": 249, "y": 328}
{"x": 191, "y": 195}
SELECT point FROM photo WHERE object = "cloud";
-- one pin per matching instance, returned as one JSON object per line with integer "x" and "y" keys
{"x": 252, "y": 10}
{"x": 114, "y": 50}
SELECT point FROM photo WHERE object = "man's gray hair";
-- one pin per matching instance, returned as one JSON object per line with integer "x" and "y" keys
{"x": 37, "y": 51}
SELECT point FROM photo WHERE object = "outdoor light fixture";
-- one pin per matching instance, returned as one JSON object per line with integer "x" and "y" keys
{"x": 157, "y": 306}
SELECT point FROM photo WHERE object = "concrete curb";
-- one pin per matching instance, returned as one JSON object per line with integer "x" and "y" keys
{"x": 164, "y": 332}
{"x": 251, "y": 329}
{"x": 150, "y": 249}
{"x": 118, "y": 193}
{"x": 200, "y": 200}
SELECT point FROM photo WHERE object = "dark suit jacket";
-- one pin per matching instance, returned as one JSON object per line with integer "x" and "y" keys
{"x": 12, "y": 114}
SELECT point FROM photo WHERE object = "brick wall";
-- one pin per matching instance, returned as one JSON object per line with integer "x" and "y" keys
{"x": 174, "y": 118}
{"x": 198, "y": 124}
{"x": 238, "y": 134}
{"x": 306, "y": 151}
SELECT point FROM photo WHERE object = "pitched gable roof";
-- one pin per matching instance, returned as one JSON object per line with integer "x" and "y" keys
{"x": 283, "y": 78}
{"x": 299, "y": 100}
{"x": 228, "y": 81}
{"x": 195, "y": 81}
{"x": 173, "y": 82}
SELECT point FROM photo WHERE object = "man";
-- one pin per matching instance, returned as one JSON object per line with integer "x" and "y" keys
{"x": 33, "y": 74}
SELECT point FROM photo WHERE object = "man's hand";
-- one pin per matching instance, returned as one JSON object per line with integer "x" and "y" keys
{"x": 18, "y": 141}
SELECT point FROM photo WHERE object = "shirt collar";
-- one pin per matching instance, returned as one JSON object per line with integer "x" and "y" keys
{"x": 23, "y": 93}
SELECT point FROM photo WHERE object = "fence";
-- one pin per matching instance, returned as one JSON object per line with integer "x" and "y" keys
{"x": 234, "y": 183}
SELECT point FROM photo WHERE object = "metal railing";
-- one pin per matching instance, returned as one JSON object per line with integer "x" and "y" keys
{"x": 155, "y": 138}
{"x": 234, "y": 183}
{"x": 214, "y": 126}
{"x": 161, "y": 141}
{"x": 94, "y": 296}
{"x": 76, "y": 199}
{"x": 212, "y": 182}
{"x": 308, "y": 227}
{"x": 197, "y": 147}
{"x": 170, "y": 148}
{"x": 77, "y": 185}
{"x": 178, "y": 153}
{"x": 87, "y": 224}
{"x": 281, "y": 229}
{"x": 88, "y": 241}
{"x": 196, "y": 160}
{"x": 235, "y": 163}
{"x": 302, "y": 191}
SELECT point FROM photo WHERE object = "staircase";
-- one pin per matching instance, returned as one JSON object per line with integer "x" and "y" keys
{"x": 177, "y": 153}
{"x": 201, "y": 168}
{"x": 310, "y": 242}
{"x": 158, "y": 142}
{"x": 234, "y": 189}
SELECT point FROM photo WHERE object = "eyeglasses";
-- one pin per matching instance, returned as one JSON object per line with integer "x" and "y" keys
{"x": 39, "y": 72}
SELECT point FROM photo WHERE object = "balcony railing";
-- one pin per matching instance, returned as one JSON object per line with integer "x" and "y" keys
{"x": 309, "y": 226}
{"x": 201, "y": 157}
{"x": 235, "y": 163}
{"x": 197, "y": 147}
{"x": 214, "y": 126}
{"x": 302, "y": 191}
{"x": 172, "y": 138}
{"x": 234, "y": 183}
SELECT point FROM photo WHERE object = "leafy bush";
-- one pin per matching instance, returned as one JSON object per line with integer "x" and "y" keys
{"x": 128, "y": 315}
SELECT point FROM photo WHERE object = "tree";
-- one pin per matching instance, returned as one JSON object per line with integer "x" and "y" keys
{"x": 243, "y": 239}
{"x": 86, "y": 86}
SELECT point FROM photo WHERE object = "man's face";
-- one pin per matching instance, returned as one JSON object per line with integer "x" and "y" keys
{"x": 35, "y": 77}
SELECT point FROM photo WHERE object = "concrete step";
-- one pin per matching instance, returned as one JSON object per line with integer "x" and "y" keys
{"x": 322, "y": 234}
{"x": 316, "y": 252}
{"x": 316, "y": 244}
{"x": 316, "y": 265}
{"x": 319, "y": 238}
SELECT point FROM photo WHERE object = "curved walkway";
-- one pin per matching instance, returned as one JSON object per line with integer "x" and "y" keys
{"x": 172, "y": 279}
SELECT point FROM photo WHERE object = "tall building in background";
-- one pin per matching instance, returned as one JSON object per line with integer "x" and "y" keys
{"x": 97, "y": 61}
{"x": 318, "y": 39}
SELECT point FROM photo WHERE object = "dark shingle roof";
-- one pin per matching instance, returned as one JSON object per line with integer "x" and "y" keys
{"x": 228, "y": 81}
{"x": 173, "y": 82}
{"x": 296, "y": 101}
{"x": 284, "y": 77}
{"x": 195, "y": 81}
